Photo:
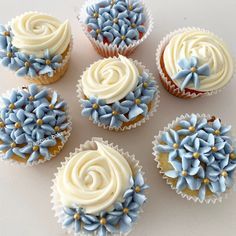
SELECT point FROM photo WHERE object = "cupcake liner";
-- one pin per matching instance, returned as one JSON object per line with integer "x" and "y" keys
{"x": 106, "y": 50}
{"x": 55, "y": 197}
{"x": 168, "y": 84}
{"x": 154, "y": 103}
{"x": 59, "y": 147}
{"x": 59, "y": 72}
{"x": 157, "y": 139}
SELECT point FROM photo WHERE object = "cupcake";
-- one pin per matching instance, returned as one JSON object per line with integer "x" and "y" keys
{"x": 115, "y": 26}
{"x": 196, "y": 155}
{"x": 193, "y": 62}
{"x": 118, "y": 93}
{"x": 34, "y": 125}
{"x": 98, "y": 190}
{"x": 36, "y": 46}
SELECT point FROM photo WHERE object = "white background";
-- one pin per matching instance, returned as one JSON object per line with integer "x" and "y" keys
{"x": 25, "y": 208}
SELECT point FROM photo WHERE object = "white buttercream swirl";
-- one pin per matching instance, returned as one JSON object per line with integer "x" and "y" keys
{"x": 35, "y": 32}
{"x": 110, "y": 79}
{"x": 94, "y": 179}
{"x": 209, "y": 49}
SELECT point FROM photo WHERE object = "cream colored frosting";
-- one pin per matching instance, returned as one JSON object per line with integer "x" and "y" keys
{"x": 94, "y": 179}
{"x": 208, "y": 49}
{"x": 110, "y": 79}
{"x": 35, "y": 32}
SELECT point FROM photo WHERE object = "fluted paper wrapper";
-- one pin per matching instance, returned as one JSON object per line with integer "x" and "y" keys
{"x": 154, "y": 103}
{"x": 211, "y": 199}
{"x": 58, "y": 73}
{"x": 168, "y": 84}
{"x": 55, "y": 197}
{"x": 59, "y": 147}
{"x": 108, "y": 50}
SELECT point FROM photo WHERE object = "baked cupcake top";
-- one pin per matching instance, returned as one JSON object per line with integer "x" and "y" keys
{"x": 34, "y": 44}
{"x": 202, "y": 155}
{"x": 116, "y": 90}
{"x": 33, "y": 124}
{"x": 117, "y": 22}
{"x": 100, "y": 191}
{"x": 198, "y": 60}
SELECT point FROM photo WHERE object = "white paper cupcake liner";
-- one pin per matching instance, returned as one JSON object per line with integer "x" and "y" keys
{"x": 57, "y": 206}
{"x": 106, "y": 50}
{"x": 154, "y": 103}
{"x": 63, "y": 142}
{"x": 170, "y": 85}
{"x": 157, "y": 140}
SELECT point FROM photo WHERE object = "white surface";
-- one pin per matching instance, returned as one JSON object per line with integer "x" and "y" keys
{"x": 25, "y": 208}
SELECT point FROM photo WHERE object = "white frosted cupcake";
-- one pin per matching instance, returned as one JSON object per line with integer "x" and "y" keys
{"x": 193, "y": 62}
{"x": 36, "y": 46}
{"x": 98, "y": 190}
{"x": 118, "y": 93}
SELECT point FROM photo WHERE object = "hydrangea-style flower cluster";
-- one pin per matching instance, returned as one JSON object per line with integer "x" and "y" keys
{"x": 116, "y": 22}
{"x": 202, "y": 155}
{"x": 133, "y": 105}
{"x": 120, "y": 219}
{"x": 23, "y": 64}
{"x": 31, "y": 122}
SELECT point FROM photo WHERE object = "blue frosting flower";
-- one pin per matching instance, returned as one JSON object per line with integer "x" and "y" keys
{"x": 94, "y": 108}
{"x": 8, "y": 58}
{"x": 137, "y": 22}
{"x": 191, "y": 72}
{"x": 184, "y": 173}
{"x": 48, "y": 64}
{"x": 125, "y": 36}
{"x": 173, "y": 144}
{"x": 74, "y": 216}
{"x": 136, "y": 103}
{"x": 137, "y": 189}
{"x": 147, "y": 85}
{"x": 27, "y": 65}
{"x": 134, "y": 7}
{"x": 192, "y": 126}
{"x": 114, "y": 116}
{"x": 127, "y": 213}
{"x": 101, "y": 30}
{"x": 103, "y": 224}
{"x": 5, "y": 36}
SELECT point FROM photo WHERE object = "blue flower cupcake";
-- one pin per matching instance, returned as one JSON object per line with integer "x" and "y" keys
{"x": 34, "y": 125}
{"x": 36, "y": 46}
{"x": 196, "y": 154}
{"x": 116, "y": 26}
{"x": 98, "y": 190}
{"x": 118, "y": 93}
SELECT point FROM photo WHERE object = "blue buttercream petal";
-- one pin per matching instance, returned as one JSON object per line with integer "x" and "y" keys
{"x": 184, "y": 64}
{"x": 22, "y": 71}
{"x": 193, "y": 61}
{"x": 181, "y": 184}
{"x": 222, "y": 183}
{"x": 134, "y": 112}
{"x": 202, "y": 192}
{"x": 68, "y": 221}
{"x": 172, "y": 173}
{"x": 91, "y": 227}
{"x": 8, "y": 154}
{"x": 204, "y": 70}
{"x": 33, "y": 157}
{"x": 48, "y": 143}
{"x": 186, "y": 81}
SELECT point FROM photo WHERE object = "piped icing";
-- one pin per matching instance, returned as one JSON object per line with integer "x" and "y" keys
{"x": 116, "y": 22}
{"x": 202, "y": 155}
{"x": 36, "y": 32}
{"x": 91, "y": 177}
{"x": 32, "y": 31}
{"x": 208, "y": 50}
{"x": 116, "y": 92}
{"x": 110, "y": 79}
{"x": 31, "y": 122}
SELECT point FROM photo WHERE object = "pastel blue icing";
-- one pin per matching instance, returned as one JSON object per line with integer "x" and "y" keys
{"x": 187, "y": 75}
{"x": 25, "y": 107}
{"x": 114, "y": 115}
{"x": 119, "y": 22}
{"x": 118, "y": 220}
{"x": 23, "y": 64}
{"x": 213, "y": 145}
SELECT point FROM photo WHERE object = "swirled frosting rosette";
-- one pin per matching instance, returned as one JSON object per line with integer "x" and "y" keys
{"x": 115, "y": 27}
{"x": 193, "y": 62}
{"x": 196, "y": 154}
{"x": 118, "y": 93}
{"x": 36, "y": 46}
{"x": 98, "y": 190}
